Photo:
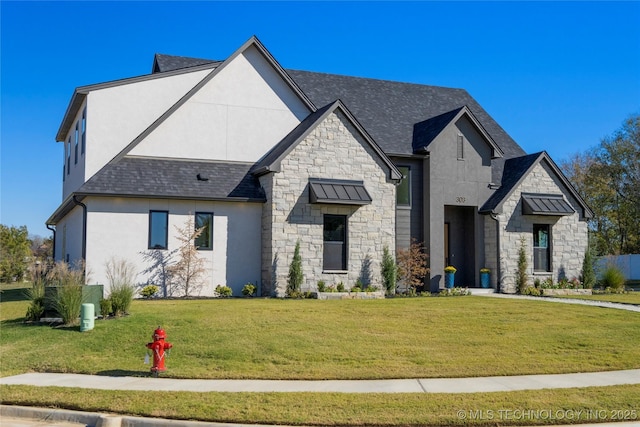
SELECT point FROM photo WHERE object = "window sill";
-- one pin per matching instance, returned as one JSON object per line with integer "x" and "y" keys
{"x": 335, "y": 271}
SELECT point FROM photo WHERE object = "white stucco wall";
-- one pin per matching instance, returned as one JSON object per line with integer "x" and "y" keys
{"x": 117, "y": 115}
{"x": 69, "y": 237}
{"x": 239, "y": 115}
{"x": 76, "y": 172}
{"x": 118, "y": 227}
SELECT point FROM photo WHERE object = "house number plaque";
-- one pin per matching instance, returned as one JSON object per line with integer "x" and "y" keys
{"x": 461, "y": 199}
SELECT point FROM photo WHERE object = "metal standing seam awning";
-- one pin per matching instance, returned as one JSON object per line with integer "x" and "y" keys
{"x": 545, "y": 204}
{"x": 338, "y": 192}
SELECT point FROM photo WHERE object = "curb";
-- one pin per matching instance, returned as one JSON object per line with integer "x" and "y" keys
{"x": 94, "y": 419}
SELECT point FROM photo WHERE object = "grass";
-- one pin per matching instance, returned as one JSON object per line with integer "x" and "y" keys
{"x": 592, "y": 404}
{"x": 310, "y": 339}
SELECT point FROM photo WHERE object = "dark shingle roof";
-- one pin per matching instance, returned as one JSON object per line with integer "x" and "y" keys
{"x": 425, "y": 132}
{"x": 389, "y": 110}
{"x": 163, "y": 63}
{"x": 169, "y": 178}
{"x": 514, "y": 171}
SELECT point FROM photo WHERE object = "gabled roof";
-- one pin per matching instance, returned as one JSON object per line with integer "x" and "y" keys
{"x": 163, "y": 63}
{"x": 388, "y": 110}
{"x": 270, "y": 162}
{"x": 253, "y": 41}
{"x": 425, "y": 132}
{"x": 516, "y": 170}
{"x": 170, "y": 179}
{"x": 81, "y": 92}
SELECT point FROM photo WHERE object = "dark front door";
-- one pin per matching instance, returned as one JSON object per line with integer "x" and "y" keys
{"x": 460, "y": 243}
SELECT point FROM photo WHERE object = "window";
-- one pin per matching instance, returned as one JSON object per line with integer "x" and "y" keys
{"x": 158, "y": 228}
{"x": 68, "y": 150}
{"x": 460, "y": 147}
{"x": 403, "y": 190}
{"x": 541, "y": 247}
{"x": 76, "y": 141}
{"x": 335, "y": 242}
{"x": 84, "y": 131}
{"x": 204, "y": 220}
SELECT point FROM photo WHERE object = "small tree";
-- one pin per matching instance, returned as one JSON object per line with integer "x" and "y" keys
{"x": 588, "y": 273}
{"x": 295, "y": 277}
{"x": 521, "y": 277}
{"x": 189, "y": 268}
{"x": 412, "y": 265}
{"x": 14, "y": 253}
{"x": 389, "y": 271}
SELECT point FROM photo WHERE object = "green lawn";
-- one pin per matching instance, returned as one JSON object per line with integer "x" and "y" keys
{"x": 310, "y": 339}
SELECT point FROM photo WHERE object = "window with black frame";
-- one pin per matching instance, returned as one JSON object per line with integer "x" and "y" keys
{"x": 541, "y": 247}
{"x": 204, "y": 220}
{"x": 335, "y": 242}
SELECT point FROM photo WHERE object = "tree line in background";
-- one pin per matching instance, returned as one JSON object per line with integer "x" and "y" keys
{"x": 18, "y": 250}
{"x": 608, "y": 177}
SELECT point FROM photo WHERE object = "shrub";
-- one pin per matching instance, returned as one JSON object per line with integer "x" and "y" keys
{"x": 120, "y": 275}
{"x": 340, "y": 287}
{"x": 356, "y": 288}
{"x": 588, "y": 275}
{"x": 412, "y": 265}
{"x": 521, "y": 277}
{"x": 149, "y": 291}
{"x": 454, "y": 292}
{"x": 612, "y": 277}
{"x": 532, "y": 291}
{"x": 67, "y": 301}
{"x": 249, "y": 290}
{"x": 36, "y": 294}
{"x": 389, "y": 271}
{"x": 105, "y": 307}
{"x": 322, "y": 286}
{"x": 224, "y": 291}
{"x": 371, "y": 288}
{"x": 36, "y": 307}
{"x": 295, "y": 277}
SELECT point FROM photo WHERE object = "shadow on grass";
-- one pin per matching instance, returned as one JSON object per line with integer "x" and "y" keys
{"x": 123, "y": 373}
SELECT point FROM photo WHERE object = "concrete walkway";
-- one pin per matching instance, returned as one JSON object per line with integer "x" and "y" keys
{"x": 603, "y": 304}
{"x": 431, "y": 385}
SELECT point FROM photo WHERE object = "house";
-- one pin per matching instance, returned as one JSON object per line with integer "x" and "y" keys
{"x": 262, "y": 158}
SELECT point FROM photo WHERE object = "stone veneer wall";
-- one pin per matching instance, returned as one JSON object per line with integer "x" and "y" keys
{"x": 333, "y": 150}
{"x": 568, "y": 234}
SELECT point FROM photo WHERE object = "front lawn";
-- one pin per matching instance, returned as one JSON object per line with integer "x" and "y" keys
{"x": 268, "y": 338}
{"x": 311, "y": 339}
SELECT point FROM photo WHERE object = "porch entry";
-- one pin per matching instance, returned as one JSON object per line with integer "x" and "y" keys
{"x": 459, "y": 243}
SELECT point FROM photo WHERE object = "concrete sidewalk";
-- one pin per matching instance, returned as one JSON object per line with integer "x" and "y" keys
{"x": 593, "y": 303}
{"x": 431, "y": 385}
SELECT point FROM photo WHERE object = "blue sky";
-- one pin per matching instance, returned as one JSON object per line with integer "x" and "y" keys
{"x": 557, "y": 76}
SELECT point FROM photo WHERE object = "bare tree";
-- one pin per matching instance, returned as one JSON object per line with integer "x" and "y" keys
{"x": 186, "y": 273}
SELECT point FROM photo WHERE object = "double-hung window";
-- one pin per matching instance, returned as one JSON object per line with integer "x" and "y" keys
{"x": 335, "y": 243}
{"x": 541, "y": 247}
{"x": 204, "y": 221}
{"x": 158, "y": 229}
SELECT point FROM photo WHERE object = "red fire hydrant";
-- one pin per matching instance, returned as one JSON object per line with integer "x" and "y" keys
{"x": 158, "y": 347}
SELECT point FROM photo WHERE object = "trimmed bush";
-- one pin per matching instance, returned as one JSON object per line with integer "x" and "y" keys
{"x": 249, "y": 290}
{"x": 224, "y": 291}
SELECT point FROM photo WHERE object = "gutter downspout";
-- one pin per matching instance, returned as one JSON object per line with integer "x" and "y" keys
{"x": 498, "y": 278}
{"x": 53, "y": 251}
{"x": 84, "y": 226}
